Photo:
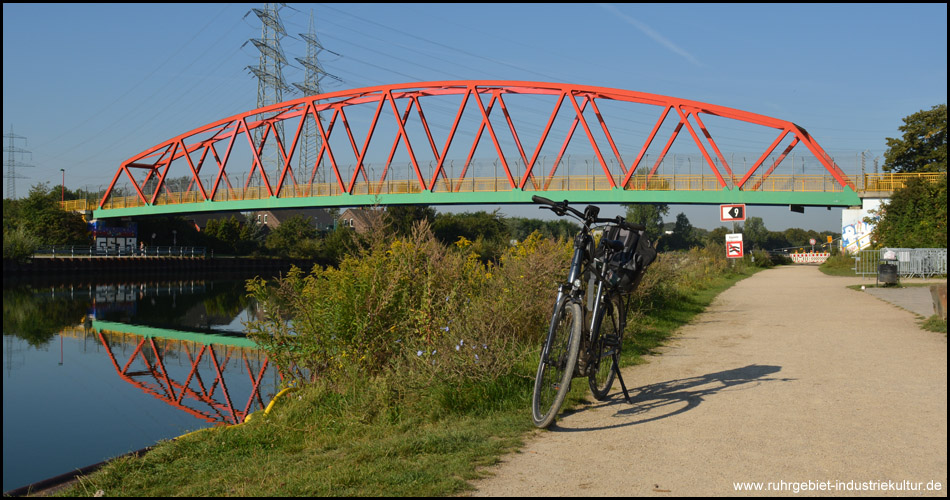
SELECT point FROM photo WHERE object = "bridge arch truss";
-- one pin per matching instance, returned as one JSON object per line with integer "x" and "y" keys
{"x": 417, "y": 143}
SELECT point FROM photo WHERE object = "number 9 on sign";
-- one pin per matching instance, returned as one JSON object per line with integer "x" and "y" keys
{"x": 731, "y": 213}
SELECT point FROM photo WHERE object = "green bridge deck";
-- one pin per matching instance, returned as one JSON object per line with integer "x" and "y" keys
{"x": 844, "y": 198}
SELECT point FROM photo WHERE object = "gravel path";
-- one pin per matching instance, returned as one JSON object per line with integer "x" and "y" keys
{"x": 788, "y": 378}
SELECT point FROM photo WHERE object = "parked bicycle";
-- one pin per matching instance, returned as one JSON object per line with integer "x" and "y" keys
{"x": 590, "y": 313}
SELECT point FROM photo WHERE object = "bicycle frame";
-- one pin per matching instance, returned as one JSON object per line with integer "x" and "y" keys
{"x": 582, "y": 257}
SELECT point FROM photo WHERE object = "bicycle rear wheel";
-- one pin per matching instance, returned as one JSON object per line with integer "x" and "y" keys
{"x": 608, "y": 332}
{"x": 558, "y": 357}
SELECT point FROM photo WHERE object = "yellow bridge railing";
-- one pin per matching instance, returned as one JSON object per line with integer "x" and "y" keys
{"x": 773, "y": 183}
{"x": 890, "y": 182}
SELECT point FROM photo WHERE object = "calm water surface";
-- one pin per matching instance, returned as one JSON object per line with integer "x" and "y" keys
{"x": 93, "y": 371}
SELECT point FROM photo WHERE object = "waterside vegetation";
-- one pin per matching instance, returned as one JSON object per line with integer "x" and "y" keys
{"x": 413, "y": 362}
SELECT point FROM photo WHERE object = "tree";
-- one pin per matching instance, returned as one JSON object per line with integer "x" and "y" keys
{"x": 754, "y": 233}
{"x": 489, "y": 226}
{"x": 223, "y": 234}
{"x": 650, "y": 215}
{"x": 796, "y": 237}
{"x": 915, "y": 217}
{"x": 296, "y": 237}
{"x": 923, "y": 147}
{"x": 520, "y": 228}
{"x": 336, "y": 244}
{"x": 252, "y": 236}
{"x": 401, "y": 218}
{"x": 717, "y": 236}
{"x": 488, "y": 232}
{"x": 682, "y": 237}
{"x": 775, "y": 240}
{"x": 42, "y": 216}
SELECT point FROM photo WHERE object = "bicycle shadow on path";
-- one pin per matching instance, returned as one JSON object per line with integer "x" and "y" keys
{"x": 677, "y": 396}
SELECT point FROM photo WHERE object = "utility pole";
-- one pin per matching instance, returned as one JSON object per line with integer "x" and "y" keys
{"x": 10, "y": 164}
{"x": 313, "y": 74}
{"x": 270, "y": 78}
{"x": 864, "y": 175}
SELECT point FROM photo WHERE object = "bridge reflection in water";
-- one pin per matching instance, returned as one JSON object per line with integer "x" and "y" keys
{"x": 215, "y": 378}
{"x": 200, "y": 366}
{"x": 134, "y": 363}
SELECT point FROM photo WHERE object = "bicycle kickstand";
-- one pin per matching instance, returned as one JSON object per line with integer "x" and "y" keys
{"x": 616, "y": 364}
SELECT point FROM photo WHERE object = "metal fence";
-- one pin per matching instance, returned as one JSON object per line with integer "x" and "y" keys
{"x": 911, "y": 262}
{"x": 90, "y": 251}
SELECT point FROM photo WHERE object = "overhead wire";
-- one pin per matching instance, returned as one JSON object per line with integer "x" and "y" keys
{"x": 618, "y": 125}
{"x": 146, "y": 78}
{"x": 530, "y": 126}
{"x": 168, "y": 108}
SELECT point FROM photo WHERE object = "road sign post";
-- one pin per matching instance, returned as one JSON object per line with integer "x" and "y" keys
{"x": 734, "y": 246}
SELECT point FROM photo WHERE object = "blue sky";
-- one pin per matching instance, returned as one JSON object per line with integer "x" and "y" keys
{"x": 91, "y": 85}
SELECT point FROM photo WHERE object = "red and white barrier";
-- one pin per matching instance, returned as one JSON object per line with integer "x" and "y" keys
{"x": 809, "y": 258}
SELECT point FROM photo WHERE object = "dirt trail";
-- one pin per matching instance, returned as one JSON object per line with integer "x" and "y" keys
{"x": 787, "y": 377}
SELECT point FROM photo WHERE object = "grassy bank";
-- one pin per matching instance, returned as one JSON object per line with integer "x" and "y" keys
{"x": 407, "y": 407}
{"x": 838, "y": 265}
{"x": 934, "y": 323}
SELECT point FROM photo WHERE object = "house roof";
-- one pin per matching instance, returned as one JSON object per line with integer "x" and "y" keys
{"x": 362, "y": 217}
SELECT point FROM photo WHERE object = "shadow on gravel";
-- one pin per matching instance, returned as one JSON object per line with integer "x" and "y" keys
{"x": 666, "y": 399}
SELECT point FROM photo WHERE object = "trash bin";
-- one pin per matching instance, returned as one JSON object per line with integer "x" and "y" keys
{"x": 887, "y": 268}
{"x": 887, "y": 272}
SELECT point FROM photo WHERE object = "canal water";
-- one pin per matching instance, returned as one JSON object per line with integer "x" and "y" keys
{"x": 94, "y": 371}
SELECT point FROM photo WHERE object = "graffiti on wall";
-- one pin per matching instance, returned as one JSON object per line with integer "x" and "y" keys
{"x": 855, "y": 231}
{"x": 855, "y": 237}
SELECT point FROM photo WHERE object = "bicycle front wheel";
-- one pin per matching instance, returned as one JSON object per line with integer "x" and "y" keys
{"x": 558, "y": 357}
{"x": 608, "y": 332}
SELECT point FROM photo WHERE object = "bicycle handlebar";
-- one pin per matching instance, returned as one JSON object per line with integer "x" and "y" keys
{"x": 560, "y": 208}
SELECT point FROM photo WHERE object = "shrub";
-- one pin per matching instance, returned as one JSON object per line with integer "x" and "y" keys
{"x": 435, "y": 327}
{"x": 762, "y": 258}
{"x": 19, "y": 244}
{"x": 413, "y": 306}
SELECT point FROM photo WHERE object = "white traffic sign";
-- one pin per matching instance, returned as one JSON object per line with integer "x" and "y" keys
{"x": 734, "y": 246}
{"x": 730, "y": 213}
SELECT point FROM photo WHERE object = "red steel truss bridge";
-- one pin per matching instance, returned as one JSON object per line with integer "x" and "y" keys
{"x": 479, "y": 142}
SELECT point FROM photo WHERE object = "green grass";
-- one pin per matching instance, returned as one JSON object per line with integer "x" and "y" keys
{"x": 934, "y": 324}
{"x": 838, "y": 265}
{"x": 315, "y": 444}
{"x": 372, "y": 437}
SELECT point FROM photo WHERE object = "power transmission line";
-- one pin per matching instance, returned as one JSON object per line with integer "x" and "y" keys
{"x": 10, "y": 164}
{"x": 270, "y": 76}
{"x": 313, "y": 74}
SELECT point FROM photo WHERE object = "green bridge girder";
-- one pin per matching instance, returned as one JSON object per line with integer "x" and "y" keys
{"x": 845, "y": 198}
{"x": 165, "y": 333}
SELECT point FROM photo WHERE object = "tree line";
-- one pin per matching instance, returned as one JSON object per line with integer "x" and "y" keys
{"x": 38, "y": 220}
{"x": 915, "y": 216}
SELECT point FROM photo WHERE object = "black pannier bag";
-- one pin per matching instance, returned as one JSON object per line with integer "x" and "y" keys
{"x": 625, "y": 268}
